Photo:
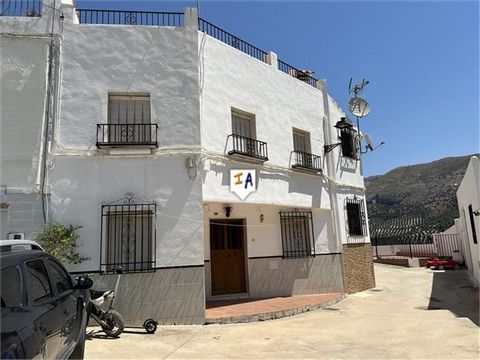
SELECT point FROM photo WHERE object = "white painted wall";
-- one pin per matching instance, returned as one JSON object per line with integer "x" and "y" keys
{"x": 468, "y": 193}
{"x": 81, "y": 184}
{"x": 230, "y": 78}
{"x": 265, "y": 239}
{"x": 274, "y": 186}
{"x": 22, "y": 103}
{"x": 98, "y": 59}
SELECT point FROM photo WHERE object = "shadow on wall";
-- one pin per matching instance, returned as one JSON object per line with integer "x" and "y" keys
{"x": 345, "y": 164}
{"x": 454, "y": 291}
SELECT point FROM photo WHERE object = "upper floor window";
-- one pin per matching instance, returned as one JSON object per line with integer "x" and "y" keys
{"x": 128, "y": 123}
{"x": 301, "y": 141}
{"x": 243, "y": 137}
{"x": 356, "y": 217}
{"x": 243, "y": 124}
{"x": 129, "y": 109}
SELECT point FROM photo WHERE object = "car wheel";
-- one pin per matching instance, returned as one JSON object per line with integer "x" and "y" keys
{"x": 441, "y": 267}
{"x": 456, "y": 267}
{"x": 79, "y": 351}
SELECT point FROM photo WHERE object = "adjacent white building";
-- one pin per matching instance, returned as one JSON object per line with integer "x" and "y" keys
{"x": 468, "y": 197}
{"x": 131, "y": 124}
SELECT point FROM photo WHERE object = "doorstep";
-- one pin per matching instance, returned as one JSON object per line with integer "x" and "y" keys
{"x": 250, "y": 310}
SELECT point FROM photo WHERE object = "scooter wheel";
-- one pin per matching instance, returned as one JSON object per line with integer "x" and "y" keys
{"x": 150, "y": 326}
{"x": 115, "y": 323}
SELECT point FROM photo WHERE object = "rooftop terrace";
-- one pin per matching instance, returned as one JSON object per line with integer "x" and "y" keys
{"x": 30, "y": 8}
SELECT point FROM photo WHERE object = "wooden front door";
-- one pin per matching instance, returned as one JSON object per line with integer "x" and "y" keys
{"x": 227, "y": 256}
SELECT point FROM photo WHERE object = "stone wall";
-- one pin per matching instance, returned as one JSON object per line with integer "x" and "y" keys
{"x": 358, "y": 263}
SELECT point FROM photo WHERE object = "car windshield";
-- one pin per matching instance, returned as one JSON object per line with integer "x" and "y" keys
{"x": 11, "y": 285}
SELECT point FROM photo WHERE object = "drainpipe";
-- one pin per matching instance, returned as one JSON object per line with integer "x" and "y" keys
{"x": 322, "y": 86}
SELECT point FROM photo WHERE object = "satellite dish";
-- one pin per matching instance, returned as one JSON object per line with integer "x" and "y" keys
{"x": 359, "y": 107}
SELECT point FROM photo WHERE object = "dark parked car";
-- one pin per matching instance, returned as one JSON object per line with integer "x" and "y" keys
{"x": 43, "y": 312}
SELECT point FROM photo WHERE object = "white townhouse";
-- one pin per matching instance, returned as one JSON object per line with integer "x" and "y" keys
{"x": 134, "y": 124}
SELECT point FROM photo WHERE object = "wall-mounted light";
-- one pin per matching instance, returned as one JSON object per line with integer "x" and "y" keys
{"x": 261, "y": 218}
{"x": 228, "y": 211}
{"x": 343, "y": 124}
{"x": 189, "y": 163}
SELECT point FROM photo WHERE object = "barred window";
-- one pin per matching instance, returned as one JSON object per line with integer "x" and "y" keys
{"x": 128, "y": 237}
{"x": 356, "y": 217}
{"x": 348, "y": 140}
{"x": 297, "y": 234}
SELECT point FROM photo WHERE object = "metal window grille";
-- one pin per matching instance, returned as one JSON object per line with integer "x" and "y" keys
{"x": 128, "y": 236}
{"x": 348, "y": 140}
{"x": 297, "y": 234}
{"x": 357, "y": 224}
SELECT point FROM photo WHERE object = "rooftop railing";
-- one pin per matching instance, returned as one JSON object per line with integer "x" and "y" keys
{"x": 232, "y": 40}
{"x": 28, "y": 8}
{"x": 302, "y": 75}
{"x": 126, "y": 17}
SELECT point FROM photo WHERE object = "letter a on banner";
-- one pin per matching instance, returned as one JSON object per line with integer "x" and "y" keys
{"x": 243, "y": 182}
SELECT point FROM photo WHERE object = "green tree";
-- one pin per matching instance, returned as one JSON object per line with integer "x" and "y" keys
{"x": 61, "y": 242}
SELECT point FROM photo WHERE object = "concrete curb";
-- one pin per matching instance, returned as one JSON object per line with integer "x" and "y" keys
{"x": 275, "y": 314}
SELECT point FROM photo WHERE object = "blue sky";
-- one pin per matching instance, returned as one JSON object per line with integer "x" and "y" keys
{"x": 421, "y": 58}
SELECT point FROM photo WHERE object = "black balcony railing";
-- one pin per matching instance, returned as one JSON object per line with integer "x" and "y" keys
{"x": 231, "y": 40}
{"x": 116, "y": 135}
{"x": 29, "y": 8}
{"x": 245, "y": 146}
{"x": 125, "y": 17}
{"x": 301, "y": 75}
{"x": 305, "y": 160}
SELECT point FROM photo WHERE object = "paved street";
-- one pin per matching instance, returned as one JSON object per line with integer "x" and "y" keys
{"x": 412, "y": 313}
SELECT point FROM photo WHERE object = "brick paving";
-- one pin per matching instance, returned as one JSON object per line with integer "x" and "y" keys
{"x": 248, "y": 310}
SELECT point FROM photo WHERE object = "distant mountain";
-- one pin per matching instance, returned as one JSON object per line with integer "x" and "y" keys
{"x": 425, "y": 191}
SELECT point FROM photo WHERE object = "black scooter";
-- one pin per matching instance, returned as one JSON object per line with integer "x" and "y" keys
{"x": 111, "y": 321}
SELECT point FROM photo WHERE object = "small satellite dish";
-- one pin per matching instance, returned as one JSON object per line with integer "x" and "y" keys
{"x": 359, "y": 107}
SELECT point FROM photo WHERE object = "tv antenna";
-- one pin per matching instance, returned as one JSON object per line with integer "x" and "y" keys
{"x": 357, "y": 105}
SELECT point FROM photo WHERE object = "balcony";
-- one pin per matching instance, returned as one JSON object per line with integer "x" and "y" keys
{"x": 305, "y": 161}
{"x": 127, "y": 135}
{"x": 247, "y": 147}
